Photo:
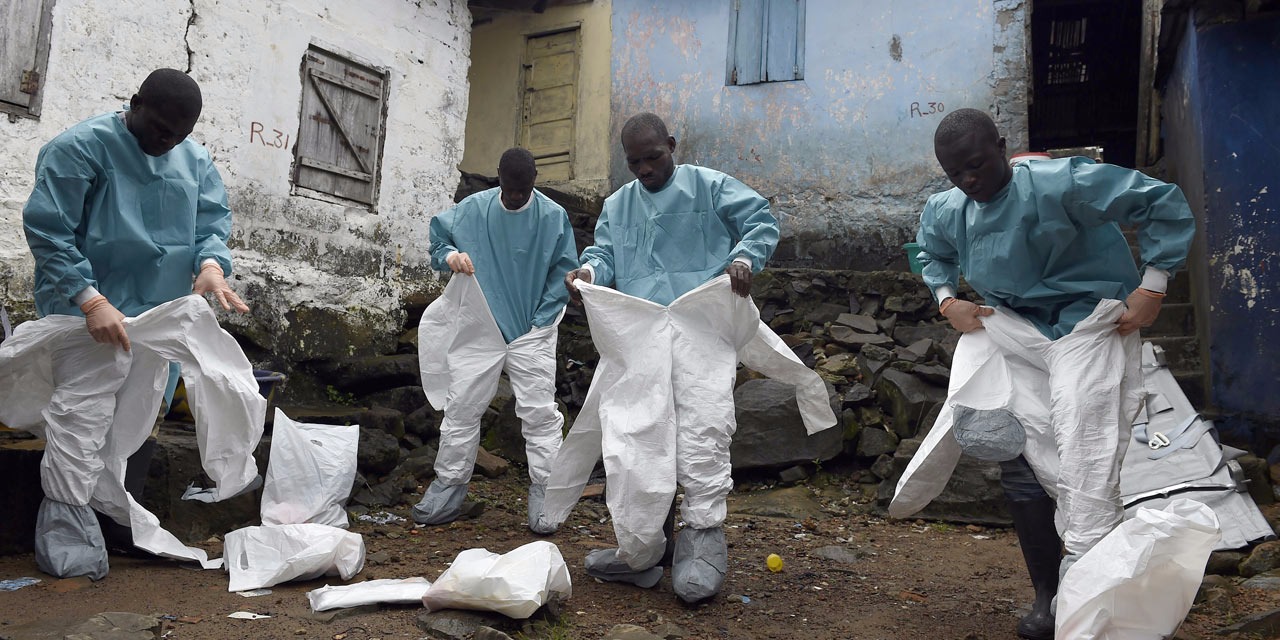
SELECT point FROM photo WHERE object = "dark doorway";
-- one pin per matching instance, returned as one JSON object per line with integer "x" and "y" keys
{"x": 1086, "y": 56}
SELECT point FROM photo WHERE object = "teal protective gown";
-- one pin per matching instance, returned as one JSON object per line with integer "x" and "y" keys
{"x": 520, "y": 257}
{"x": 135, "y": 227}
{"x": 1049, "y": 245}
{"x": 659, "y": 246}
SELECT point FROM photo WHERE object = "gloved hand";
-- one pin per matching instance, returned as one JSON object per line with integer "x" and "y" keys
{"x": 963, "y": 315}
{"x": 1143, "y": 307}
{"x": 105, "y": 322}
{"x": 740, "y": 278}
{"x": 210, "y": 280}
{"x": 461, "y": 263}
{"x": 569, "y": 278}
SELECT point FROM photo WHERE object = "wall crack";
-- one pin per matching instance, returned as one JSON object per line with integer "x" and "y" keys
{"x": 186, "y": 37}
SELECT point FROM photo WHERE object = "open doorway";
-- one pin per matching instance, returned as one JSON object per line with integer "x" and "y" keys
{"x": 1086, "y": 60}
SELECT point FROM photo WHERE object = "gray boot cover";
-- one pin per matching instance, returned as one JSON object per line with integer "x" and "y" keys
{"x": 69, "y": 542}
{"x": 537, "y": 494}
{"x": 604, "y": 564}
{"x": 700, "y": 563}
{"x": 994, "y": 435}
{"x": 442, "y": 503}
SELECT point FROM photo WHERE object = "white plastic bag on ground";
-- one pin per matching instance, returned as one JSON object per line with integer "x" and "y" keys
{"x": 264, "y": 556}
{"x": 310, "y": 472}
{"x": 514, "y": 584}
{"x": 1139, "y": 581}
{"x": 406, "y": 591}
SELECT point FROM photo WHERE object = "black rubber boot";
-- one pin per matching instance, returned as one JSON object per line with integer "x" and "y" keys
{"x": 119, "y": 538}
{"x": 1042, "y": 550}
{"x": 669, "y": 530}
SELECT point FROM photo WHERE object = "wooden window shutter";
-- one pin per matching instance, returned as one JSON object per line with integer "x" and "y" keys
{"x": 340, "y": 135}
{"x": 766, "y": 41}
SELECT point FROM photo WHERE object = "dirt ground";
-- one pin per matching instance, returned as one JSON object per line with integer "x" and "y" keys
{"x": 910, "y": 579}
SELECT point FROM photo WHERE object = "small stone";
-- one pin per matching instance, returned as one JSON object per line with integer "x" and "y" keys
{"x": 489, "y": 465}
{"x": 793, "y": 474}
{"x": 1264, "y": 557}
{"x": 839, "y": 554}
{"x": 631, "y": 631}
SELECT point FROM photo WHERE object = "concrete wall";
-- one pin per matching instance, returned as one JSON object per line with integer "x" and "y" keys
{"x": 323, "y": 278}
{"x": 846, "y": 154}
{"x": 1222, "y": 126}
{"x": 494, "y": 120}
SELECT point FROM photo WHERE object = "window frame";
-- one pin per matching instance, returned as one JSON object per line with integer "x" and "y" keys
{"x": 732, "y": 61}
{"x": 41, "y": 67}
{"x": 299, "y": 159}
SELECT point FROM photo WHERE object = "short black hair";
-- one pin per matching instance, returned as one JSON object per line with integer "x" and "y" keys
{"x": 517, "y": 164}
{"x": 961, "y": 122}
{"x": 171, "y": 89}
{"x": 645, "y": 122}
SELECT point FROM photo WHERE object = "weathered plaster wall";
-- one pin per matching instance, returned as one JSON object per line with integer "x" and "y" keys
{"x": 1241, "y": 122}
{"x": 323, "y": 278}
{"x": 494, "y": 120}
{"x": 845, "y": 155}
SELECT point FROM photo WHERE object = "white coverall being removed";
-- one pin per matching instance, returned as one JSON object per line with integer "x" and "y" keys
{"x": 1076, "y": 396}
{"x": 660, "y": 411}
{"x": 95, "y": 403}
{"x": 509, "y": 248}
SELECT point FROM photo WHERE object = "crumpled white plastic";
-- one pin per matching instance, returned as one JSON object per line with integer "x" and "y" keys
{"x": 221, "y": 391}
{"x": 514, "y": 584}
{"x": 309, "y": 473}
{"x": 268, "y": 555}
{"x": 387, "y": 591}
{"x": 646, "y": 351}
{"x": 1139, "y": 582}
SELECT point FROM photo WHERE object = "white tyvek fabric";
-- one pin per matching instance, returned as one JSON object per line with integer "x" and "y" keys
{"x": 514, "y": 584}
{"x": 105, "y": 408}
{"x": 309, "y": 473}
{"x": 1077, "y": 396}
{"x": 386, "y": 591}
{"x": 660, "y": 409}
{"x": 263, "y": 556}
{"x": 1139, "y": 581}
{"x": 461, "y": 354}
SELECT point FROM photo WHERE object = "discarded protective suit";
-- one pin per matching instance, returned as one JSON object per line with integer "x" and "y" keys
{"x": 461, "y": 356}
{"x": 660, "y": 245}
{"x": 1049, "y": 246}
{"x": 660, "y": 410}
{"x": 104, "y": 214}
{"x": 1076, "y": 396}
{"x": 520, "y": 257}
{"x": 99, "y": 405}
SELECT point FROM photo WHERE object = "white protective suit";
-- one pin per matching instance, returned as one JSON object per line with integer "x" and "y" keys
{"x": 99, "y": 403}
{"x": 660, "y": 409}
{"x": 1076, "y": 396}
{"x": 461, "y": 355}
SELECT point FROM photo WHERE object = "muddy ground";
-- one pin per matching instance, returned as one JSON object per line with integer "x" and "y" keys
{"x": 902, "y": 579}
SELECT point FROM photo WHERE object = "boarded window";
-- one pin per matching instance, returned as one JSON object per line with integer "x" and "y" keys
{"x": 24, "y": 52}
{"x": 550, "y": 102}
{"x": 766, "y": 41}
{"x": 340, "y": 135}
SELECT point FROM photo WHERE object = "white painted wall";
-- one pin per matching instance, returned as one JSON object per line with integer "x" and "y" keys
{"x": 290, "y": 251}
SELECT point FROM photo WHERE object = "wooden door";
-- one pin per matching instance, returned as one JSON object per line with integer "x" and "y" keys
{"x": 550, "y": 102}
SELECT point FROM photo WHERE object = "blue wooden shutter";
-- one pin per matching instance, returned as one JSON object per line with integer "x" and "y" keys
{"x": 766, "y": 41}
{"x": 784, "y": 41}
{"x": 747, "y": 63}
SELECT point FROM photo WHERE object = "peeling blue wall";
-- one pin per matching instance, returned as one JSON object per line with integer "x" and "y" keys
{"x": 1223, "y": 113}
{"x": 846, "y": 154}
